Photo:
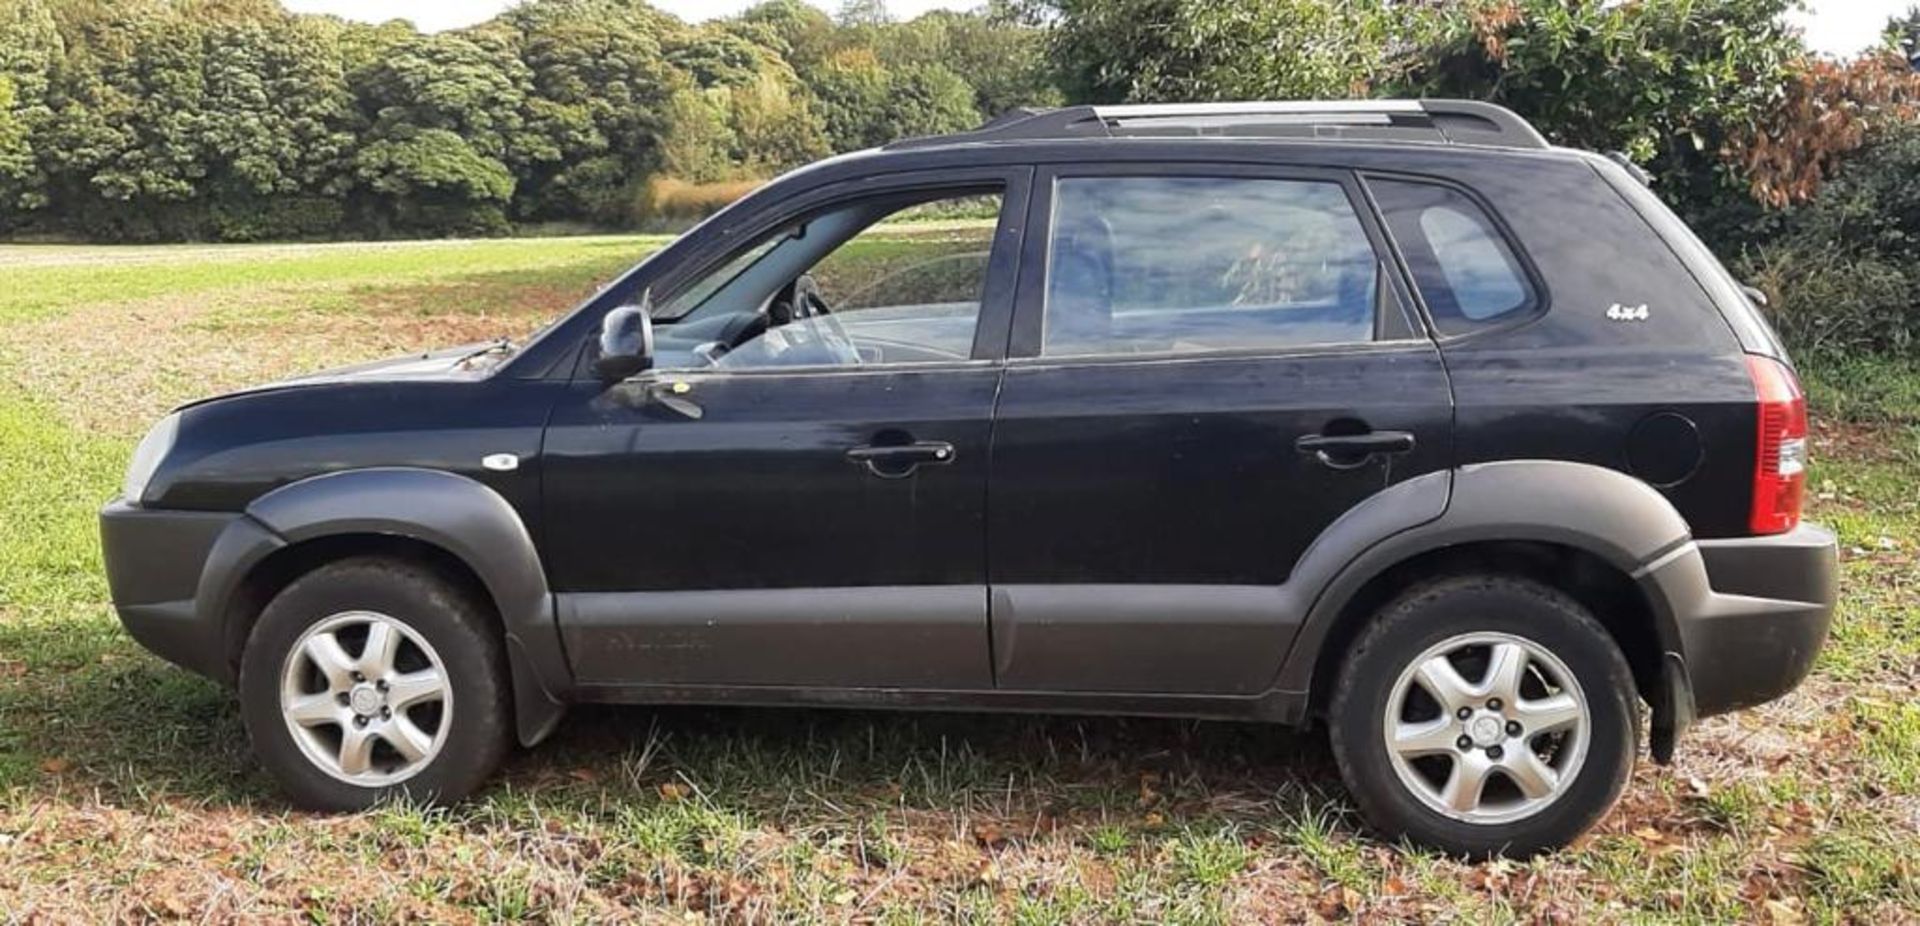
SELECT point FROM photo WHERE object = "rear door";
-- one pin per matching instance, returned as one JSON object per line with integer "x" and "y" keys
{"x": 1209, "y": 365}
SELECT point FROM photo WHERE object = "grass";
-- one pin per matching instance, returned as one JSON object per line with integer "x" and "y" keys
{"x": 126, "y": 790}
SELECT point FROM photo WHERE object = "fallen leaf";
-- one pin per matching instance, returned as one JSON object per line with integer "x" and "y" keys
{"x": 1781, "y": 913}
{"x": 55, "y": 766}
{"x": 986, "y": 873}
{"x": 673, "y": 791}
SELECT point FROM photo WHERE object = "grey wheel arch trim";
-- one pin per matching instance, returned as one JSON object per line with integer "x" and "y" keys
{"x": 459, "y": 515}
{"x": 1606, "y": 513}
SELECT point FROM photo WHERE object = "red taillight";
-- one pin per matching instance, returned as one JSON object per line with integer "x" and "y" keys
{"x": 1780, "y": 461}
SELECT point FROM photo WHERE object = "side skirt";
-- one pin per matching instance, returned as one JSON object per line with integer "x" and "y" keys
{"x": 1285, "y": 707}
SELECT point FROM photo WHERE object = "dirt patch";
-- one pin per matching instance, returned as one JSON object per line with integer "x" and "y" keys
{"x": 114, "y": 369}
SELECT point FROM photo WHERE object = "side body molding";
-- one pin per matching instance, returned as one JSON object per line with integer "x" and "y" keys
{"x": 1594, "y": 509}
{"x": 464, "y": 518}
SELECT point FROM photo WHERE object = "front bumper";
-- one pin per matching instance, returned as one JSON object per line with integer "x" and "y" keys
{"x": 156, "y": 562}
{"x": 1744, "y": 618}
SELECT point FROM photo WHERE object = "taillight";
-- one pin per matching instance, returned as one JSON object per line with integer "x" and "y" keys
{"x": 1780, "y": 460}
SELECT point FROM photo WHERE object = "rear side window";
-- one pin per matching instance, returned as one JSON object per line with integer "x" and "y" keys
{"x": 1144, "y": 265}
{"x": 1467, "y": 274}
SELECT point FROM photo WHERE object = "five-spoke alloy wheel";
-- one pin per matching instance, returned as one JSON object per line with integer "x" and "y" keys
{"x": 1484, "y": 715}
{"x": 376, "y": 678}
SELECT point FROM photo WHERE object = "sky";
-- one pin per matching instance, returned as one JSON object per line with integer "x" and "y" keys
{"x": 1837, "y": 27}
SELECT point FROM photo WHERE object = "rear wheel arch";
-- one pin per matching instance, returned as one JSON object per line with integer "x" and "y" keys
{"x": 1585, "y": 529}
{"x": 1607, "y": 592}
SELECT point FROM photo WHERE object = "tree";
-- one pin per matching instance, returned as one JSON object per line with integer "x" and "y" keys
{"x": 599, "y": 97}
{"x": 279, "y": 127}
{"x": 1000, "y": 59}
{"x": 768, "y": 112}
{"x": 1903, "y": 36}
{"x": 30, "y": 47}
{"x": 797, "y": 30}
{"x": 447, "y": 127}
{"x": 1108, "y": 51}
{"x": 1672, "y": 83}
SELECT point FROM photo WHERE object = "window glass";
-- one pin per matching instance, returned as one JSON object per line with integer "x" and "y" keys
{"x": 877, "y": 281}
{"x": 1466, "y": 273}
{"x": 1185, "y": 264}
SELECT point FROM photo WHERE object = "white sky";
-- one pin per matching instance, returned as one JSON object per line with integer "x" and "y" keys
{"x": 1837, "y": 27}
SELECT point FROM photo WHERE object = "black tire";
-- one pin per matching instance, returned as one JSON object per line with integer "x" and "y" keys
{"x": 1427, "y": 616}
{"x": 459, "y": 629}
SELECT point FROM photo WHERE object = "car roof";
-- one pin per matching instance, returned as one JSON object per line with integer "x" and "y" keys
{"x": 1455, "y": 122}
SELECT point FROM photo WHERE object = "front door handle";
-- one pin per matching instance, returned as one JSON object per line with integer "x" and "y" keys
{"x": 898, "y": 461}
{"x": 1350, "y": 451}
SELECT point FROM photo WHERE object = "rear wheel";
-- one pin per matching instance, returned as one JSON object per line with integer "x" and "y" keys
{"x": 371, "y": 679}
{"x": 1485, "y": 715}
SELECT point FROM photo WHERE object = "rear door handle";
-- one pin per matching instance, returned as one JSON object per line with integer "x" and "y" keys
{"x": 1349, "y": 451}
{"x": 898, "y": 461}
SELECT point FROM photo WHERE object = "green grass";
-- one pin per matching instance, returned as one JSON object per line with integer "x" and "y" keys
{"x": 126, "y": 789}
{"x": 54, "y": 279}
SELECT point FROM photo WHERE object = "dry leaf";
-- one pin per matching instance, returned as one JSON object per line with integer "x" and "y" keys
{"x": 1781, "y": 913}
{"x": 674, "y": 791}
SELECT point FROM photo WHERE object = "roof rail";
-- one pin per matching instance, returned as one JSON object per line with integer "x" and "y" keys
{"x": 1466, "y": 122}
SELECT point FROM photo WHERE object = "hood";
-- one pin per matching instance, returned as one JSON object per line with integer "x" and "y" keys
{"x": 450, "y": 364}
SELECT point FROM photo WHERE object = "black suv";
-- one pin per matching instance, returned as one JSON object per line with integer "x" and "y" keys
{"x": 1384, "y": 415}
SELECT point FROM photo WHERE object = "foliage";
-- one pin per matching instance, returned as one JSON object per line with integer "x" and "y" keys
{"x": 233, "y": 119}
{"x": 1228, "y": 49}
{"x": 1843, "y": 272}
{"x": 1825, "y": 112}
{"x": 1672, "y": 83}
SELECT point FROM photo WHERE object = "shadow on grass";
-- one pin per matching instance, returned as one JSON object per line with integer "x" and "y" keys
{"x": 82, "y": 707}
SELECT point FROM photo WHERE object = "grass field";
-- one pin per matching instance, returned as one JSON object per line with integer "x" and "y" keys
{"x": 126, "y": 791}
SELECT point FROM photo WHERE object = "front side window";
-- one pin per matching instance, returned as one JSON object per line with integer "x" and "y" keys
{"x": 1466, "y": 273}
{"x": 1192, "y": 264}
{"x": 891, "y": 280}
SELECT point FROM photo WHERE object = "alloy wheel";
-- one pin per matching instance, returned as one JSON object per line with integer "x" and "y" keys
{"x": 366, "y": 698}
{"x": 1487, "y": 728}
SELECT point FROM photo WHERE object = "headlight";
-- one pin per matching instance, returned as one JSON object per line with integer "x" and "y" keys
{"x": 146, "y": 457}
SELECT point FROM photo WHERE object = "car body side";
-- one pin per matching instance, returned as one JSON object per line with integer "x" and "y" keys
{"x": 1546, "y": 470}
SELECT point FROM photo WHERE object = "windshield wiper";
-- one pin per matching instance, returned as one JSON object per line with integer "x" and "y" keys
{"x": 502, "y": 346}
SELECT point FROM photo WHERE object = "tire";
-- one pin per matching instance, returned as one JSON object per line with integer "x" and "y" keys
{"x": 412, "y": 743}
{"x": 1410, "y": 791}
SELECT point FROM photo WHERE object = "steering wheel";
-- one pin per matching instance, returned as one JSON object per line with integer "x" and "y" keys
{"x": 806, "y": 299}
{"x": 806, "y": 302}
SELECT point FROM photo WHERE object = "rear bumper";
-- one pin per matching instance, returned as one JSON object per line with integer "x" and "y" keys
{"x": 1747, "y": 617}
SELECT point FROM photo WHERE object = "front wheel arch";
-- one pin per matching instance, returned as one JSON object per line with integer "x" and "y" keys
{"x": 454, "y": 522}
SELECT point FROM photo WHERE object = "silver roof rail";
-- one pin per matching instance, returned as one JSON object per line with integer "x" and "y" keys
{"x": 1468, "y": 122}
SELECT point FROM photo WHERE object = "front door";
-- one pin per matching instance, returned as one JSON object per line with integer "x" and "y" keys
{"x": 795, "y": 495}
{"x": 1210, "y": 366}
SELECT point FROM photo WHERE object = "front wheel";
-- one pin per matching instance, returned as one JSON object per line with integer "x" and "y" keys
{"x": 371, "y": 679}
{"x": 1485, "y": 715}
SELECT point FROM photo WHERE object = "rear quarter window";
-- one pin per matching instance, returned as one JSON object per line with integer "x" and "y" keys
{"x": 1466, "y": 271}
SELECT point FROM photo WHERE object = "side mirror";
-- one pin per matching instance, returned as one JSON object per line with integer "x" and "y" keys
{"x": 1756, "y": 296}
{"x": 626, "y": 342}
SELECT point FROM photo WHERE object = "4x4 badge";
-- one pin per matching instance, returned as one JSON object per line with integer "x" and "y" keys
{"x": 1628, "y": 313}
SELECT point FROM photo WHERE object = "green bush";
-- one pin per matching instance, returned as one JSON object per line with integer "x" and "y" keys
{"x": 1843, "y": 271}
